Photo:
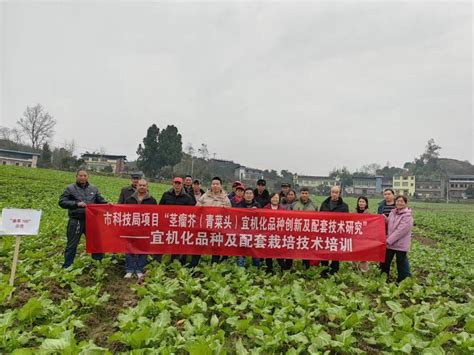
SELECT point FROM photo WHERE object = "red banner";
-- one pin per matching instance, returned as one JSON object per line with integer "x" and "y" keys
{"x": 260, "y": 233}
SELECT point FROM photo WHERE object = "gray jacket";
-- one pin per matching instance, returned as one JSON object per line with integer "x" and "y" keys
{"x": 75, "y": 193}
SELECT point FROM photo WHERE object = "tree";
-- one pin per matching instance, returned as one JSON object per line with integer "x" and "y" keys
{"x": 344, "y": 176}
{"x": 370, "y": 169}
{"x": 203, "y": 151}
{"x": 170, "y": 147}
{"x": 323, "y": 190}
{"x": 108, "y": 169}
{"x": 5, "y": 133}
{"x": 11, "y": 134}
{"x": 159, "y": 149}
{"x": 287, "y": 176}
{"x": 64, "y": 159}
{"x": 148, "y": 153}
{"x": 167, "y": 172}
{"x": 431, "y": 151}
{"x": 470, "y": 191}
{"x": 190, "y": 149}
{"x": 427, "y": 164}
{"x": 37, "y": 125}
{"x": 390, "y": 171}
{"x": 46, "y": 157}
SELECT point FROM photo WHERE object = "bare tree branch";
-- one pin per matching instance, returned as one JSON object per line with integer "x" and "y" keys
{"x": 37, "y": 125}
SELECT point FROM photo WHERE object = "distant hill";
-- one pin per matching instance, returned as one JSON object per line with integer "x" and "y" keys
{"x": 456, "y": 167}
{"x": 6, "y": 144}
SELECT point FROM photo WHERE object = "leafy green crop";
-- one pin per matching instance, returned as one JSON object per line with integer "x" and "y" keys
{"x": 224, "y": 308}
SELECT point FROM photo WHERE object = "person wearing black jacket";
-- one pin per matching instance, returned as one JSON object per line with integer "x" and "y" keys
{"x": 135, "y": 263}
{"x": 75, "y": 198}
{"x": 128, "y": 191}
{"x": 188, "y": 184}
{"x": 248, "y": 202}
{"x": 176, "y": 196}
{"x": 262, "y": 196}
{"x": 333, "y": 203}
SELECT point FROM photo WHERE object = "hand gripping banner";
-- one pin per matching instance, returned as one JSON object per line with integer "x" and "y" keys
{"x": 259, "y": 233}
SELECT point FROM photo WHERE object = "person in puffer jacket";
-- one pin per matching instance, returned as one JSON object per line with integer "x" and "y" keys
{"x": 215, "y": 197}
{"x": 399, "y": 231}
{"x": 75, "y": 198}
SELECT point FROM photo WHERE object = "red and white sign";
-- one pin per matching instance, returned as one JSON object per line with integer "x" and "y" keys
{"x": 155, "y": 229}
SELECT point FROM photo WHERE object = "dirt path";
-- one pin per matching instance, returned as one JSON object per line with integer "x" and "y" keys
{"x": 425, "y": 241}
{"x": 101, "y": 325}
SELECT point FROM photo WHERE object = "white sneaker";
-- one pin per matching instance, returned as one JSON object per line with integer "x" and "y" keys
{"x": 128, "y": 275}
{"x": 140, "y": 275}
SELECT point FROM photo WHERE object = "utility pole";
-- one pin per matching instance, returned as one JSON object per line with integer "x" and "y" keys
{"x": 447, "y": 192}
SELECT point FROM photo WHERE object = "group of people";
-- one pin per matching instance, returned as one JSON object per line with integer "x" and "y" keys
{"x": 189, "y": 192}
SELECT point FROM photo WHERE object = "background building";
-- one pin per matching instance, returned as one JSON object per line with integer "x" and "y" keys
{"x": 243, "y": 173}
{"x": 430, "y": 189}
{"x": 404, "y": 185}
{"x": 105, "y": 162}
{"x": 13, "y": 157}
{"x": 458, "y": 184}
{"x": 314, "y": 181}
{"x": 367, "y": 185}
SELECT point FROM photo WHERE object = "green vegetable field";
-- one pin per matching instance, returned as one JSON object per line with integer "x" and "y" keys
{"x": 224, "y": 308}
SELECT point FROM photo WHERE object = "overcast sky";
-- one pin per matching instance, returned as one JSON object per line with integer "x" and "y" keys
{"x": 303, "y": 86}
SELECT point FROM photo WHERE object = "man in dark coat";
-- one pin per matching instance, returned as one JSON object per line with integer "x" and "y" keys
{"x": 333, "y": 203}
{"x": 262, "y": 196}
{"x": 248, "y": 202}
{"x": 75, "y": 198}
{"x": 128, "y": 191}
{"x": 188, "y": 184}
{"x": 175, "y": 196}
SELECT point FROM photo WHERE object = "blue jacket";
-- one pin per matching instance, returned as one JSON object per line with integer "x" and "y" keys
{"x": 381, "y": 207}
